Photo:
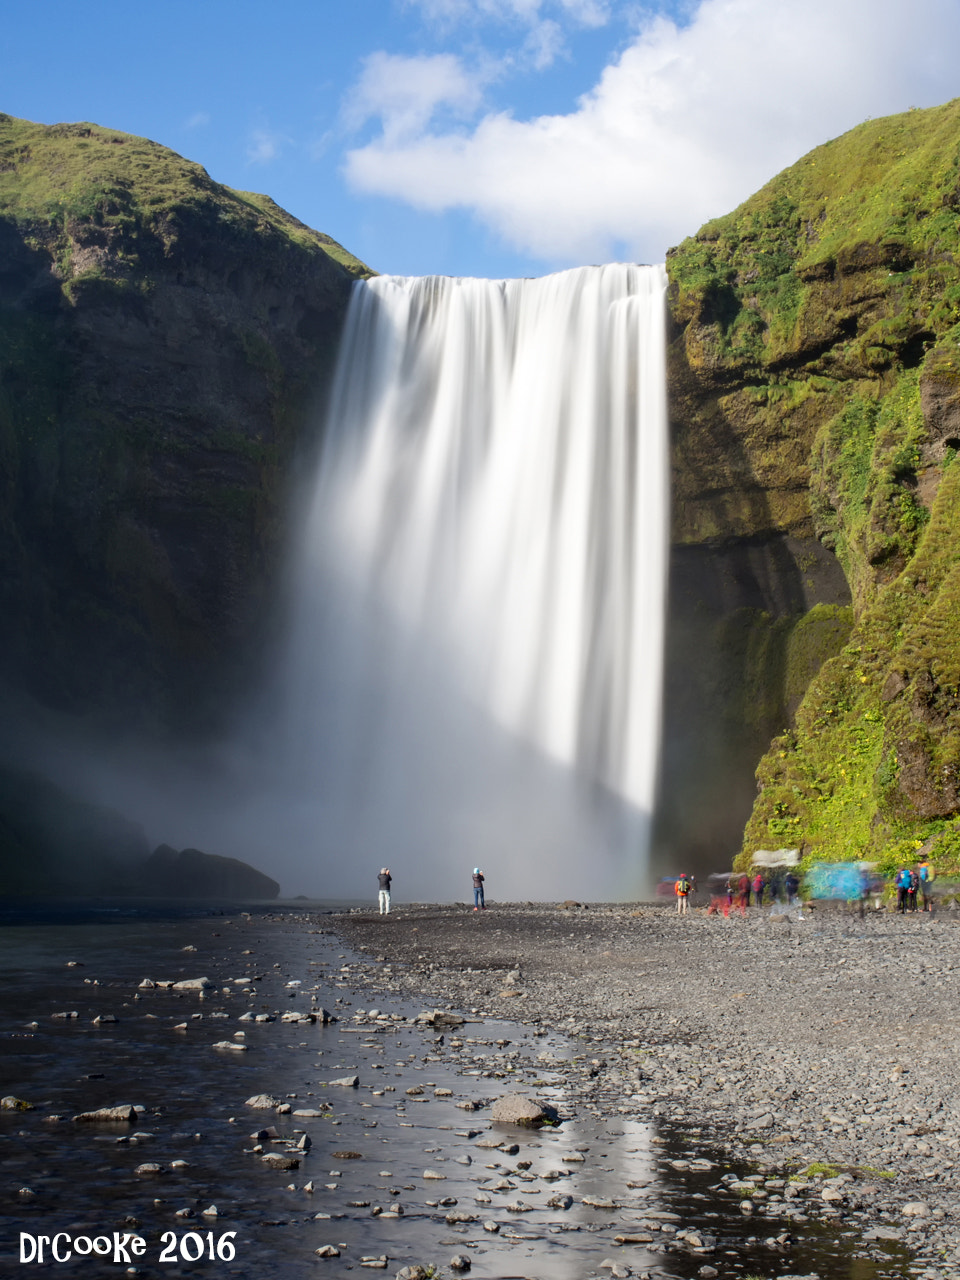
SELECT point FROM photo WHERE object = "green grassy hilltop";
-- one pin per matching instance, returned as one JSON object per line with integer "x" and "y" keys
{"x": 816, "y": 372}
{"x": 80, "y": 185}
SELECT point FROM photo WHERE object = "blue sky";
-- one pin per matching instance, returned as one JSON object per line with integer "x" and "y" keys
{"x": 485, "y": 137}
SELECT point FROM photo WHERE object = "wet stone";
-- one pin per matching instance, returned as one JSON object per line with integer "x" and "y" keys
{"x": 108, "y": 1115}
{"x": 277, "y": 1160}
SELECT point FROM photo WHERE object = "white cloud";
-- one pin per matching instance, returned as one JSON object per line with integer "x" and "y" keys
{"x": 543, "y": 45}
{"x": 263, "y": 145}
{"x": 545, "y": 40}
{"x": 199, "y": 120}
{"x": 406, "y": 93}
{"x": 588, "y": 13}
{"x": 681, "y": 127}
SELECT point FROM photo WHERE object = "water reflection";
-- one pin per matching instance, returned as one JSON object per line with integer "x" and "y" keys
{"x": 398, "y": 1167}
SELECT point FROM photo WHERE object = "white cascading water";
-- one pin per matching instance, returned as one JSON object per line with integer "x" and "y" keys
{"x": 471, "y": 674}
{"x": 474, "y": 674}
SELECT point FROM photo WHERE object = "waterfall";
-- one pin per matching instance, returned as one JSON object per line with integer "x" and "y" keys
{"x": 469, "y": 645}
{"x": 474, "y": 668}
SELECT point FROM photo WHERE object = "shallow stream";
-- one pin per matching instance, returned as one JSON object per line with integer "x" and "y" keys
{"x": 399, "y": 1170}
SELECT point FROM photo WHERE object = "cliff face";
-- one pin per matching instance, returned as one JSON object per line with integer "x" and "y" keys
{"x": 815, "y": 382}
{"x": 163, "y": 343}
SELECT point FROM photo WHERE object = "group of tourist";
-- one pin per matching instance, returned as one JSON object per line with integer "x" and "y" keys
{"x": 911, "y": 881}
{"x": 737, "y": 891}
{"x": 851, "y": 882}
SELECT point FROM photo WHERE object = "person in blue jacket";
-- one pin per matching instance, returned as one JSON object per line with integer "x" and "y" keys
{"x": 902, "y": 884}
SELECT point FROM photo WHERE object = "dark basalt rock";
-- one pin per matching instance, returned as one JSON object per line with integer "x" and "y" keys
{"x": 53, "y": 844}
{"x": 191, "y": 873}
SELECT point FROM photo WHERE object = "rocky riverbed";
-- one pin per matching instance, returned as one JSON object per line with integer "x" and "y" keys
{"x": 272, "y": 1094}
{"x": 820, "y": 1053}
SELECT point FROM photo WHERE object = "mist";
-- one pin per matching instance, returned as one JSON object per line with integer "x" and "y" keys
{"x": 471, "y": 667}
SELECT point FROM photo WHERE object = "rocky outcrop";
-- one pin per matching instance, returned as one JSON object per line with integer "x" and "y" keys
{"x": 816, "y": 394}
{"x": 165, "y": 344}
{"x": 55, "y": 845}
{"x": 190, "y": 873}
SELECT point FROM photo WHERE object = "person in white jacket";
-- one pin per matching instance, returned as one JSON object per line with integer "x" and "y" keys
{"x": 384, "y": 878}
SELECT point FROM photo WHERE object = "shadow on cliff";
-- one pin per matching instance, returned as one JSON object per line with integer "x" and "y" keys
{"x": 733, "y": 669}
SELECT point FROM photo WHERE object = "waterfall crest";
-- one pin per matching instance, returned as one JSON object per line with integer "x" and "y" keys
{"x": 480, "y": 590}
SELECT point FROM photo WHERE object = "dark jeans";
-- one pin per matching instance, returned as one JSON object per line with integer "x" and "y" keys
{"x": 478, "y": 896}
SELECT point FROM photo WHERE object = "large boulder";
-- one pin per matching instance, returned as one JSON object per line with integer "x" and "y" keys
{"x": 514, "y": 1108}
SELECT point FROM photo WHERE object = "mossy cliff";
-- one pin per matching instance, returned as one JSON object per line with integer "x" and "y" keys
{"x": 815, "y": 382}
{"x": 163, "y": 343}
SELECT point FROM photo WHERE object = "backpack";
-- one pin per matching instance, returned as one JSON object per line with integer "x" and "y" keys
{"x": 683, "y": 885}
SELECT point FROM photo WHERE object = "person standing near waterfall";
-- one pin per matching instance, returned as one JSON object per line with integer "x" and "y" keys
{"x": 478, "y": 902}
{"x": 682, "y": 889}
{"x": 384, "y": 878}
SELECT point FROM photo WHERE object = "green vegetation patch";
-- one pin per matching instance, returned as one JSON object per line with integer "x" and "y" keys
{"x": 872, "y": 767}
{"x": 824, "y": 314}
{"x": 93, "y": 189}
{"x": 779, "y": 279}
{"x": 864, "y": 482}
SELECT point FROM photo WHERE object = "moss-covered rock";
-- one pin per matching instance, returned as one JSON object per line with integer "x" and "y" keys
{"x": 164, "y": 343}
{"x": 831, "y": 281}
{"x": 815, "y": 375}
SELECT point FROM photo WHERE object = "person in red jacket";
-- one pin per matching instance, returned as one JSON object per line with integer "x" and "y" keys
{"x": 758, "y": 887}
{"x": 743, "y": 893}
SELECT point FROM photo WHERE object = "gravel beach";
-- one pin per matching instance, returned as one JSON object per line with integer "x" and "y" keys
{"x": 821, "y": 1050}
